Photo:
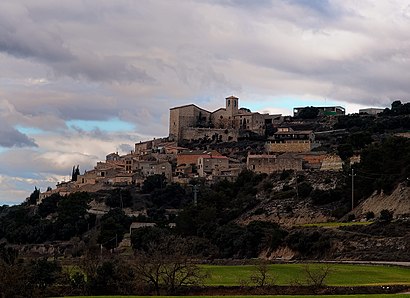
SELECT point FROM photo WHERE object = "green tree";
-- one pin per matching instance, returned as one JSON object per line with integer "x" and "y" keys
{"x": 72, "y": 219}
{"x": 345, "y": 151}
{"x": 142, "y": 238}
{"x": 49, "y": 205}
{"x": 309, "y": 113}
{"x": 34, "y": 196}
{"x": 154, "y": 182}
{"x": 112, "y": 277}
{"x": 43, "y": 273}
{"x": 75, "y": 173}
{"x": 386, "y": 215}
{"x": 304, "y": 189}
{"x": 114, "y": 225}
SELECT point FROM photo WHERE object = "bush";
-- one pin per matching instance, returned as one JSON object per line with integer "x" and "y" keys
{"x": 308, "y": 243}
{"x": 386, "y": 215}
{"x": 304, "y": 189}
{"x": 369, "y": 215}
{"x": 321, "y": 197}
{"x": 285, "y": 174}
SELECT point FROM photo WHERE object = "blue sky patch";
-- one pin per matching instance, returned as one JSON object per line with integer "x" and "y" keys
{"x": 112, "y": 125}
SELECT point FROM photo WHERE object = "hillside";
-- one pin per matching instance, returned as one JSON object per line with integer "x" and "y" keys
{"x": 249, "y": 215}
{"x": 398, "y": 202}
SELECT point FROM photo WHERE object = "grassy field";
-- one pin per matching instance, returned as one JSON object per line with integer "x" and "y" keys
{"x": 286, "y": 274}
{"x": 278, "y": 296}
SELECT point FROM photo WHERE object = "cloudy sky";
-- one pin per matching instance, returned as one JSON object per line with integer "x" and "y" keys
{"x": 83, "y": 78}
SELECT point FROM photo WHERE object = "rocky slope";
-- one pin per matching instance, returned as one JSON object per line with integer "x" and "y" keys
{"x": 398, "y": 202}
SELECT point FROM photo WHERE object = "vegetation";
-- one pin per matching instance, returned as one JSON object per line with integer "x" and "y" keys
{"x": 309, "y": 113}
{"x": 25, "y": 224}
{"x": 216, "y": 226}
{"x": 286, "y": 274}
{"x": 167, "y": 264}
{"x": 264, "y": 296}
{"x": 380, "y": 168}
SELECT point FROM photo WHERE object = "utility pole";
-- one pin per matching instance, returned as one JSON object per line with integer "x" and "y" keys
{"x": 353, "y": 174}
{"x": 195, "y": 194}
{"x": 297, "y": 186}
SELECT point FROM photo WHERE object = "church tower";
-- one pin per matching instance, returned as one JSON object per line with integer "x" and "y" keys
{"x": 232, "y": 104}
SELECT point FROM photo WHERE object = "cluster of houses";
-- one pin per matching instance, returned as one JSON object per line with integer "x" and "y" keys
{"x": 287, "y": 149}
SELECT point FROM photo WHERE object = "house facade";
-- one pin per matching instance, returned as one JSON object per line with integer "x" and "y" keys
{"x": 288, "y": 140}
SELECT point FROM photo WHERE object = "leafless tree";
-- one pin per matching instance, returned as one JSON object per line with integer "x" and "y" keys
{"x": 316, "y": 275}
{"x": 261, "y": 276}
{"x": 13, "y": 280}
{"x": 167, "y": 265}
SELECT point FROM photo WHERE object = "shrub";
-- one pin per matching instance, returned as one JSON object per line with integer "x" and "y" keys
{"x": 386, "y": 215}
{"x": 369, "y": 215}
{"x": 351, "y": 217}
{"x": 304, "y": 189}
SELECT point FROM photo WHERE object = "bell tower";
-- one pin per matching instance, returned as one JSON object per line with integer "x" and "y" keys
{"x": 232, "y": 104}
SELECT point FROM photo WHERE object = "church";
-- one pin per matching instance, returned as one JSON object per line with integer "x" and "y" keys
{"x": 191, "y": 122}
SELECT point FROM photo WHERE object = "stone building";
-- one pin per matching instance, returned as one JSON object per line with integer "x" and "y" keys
{"x": 288, "y": 140}
{"x": 312, "y": 160}
{"x": 191, "y": 122}
{"x": 214, "y": 163}
{"x": 149, "y": 168}
{"x": 190, "y": 157}
{"x": 266, "y": 163}
{"x": 371, "y": 111}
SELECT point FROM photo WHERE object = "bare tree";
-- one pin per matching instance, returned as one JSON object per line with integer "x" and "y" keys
{"x": 261, "y": 276}
{"x": 315, "y": 276}
{"x": 167, "y": 265}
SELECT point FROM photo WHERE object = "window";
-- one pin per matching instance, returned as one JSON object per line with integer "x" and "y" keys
{"x": 229, "y": 102}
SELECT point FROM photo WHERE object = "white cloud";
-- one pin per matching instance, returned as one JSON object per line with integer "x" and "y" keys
{"x": 133, "y": 60}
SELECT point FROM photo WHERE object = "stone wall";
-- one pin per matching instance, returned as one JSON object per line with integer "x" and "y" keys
{"x": 332, "y": 163}
{"x": 294, "y": 146}
{"x": 271, "y": 163}
{"x": 225, "y": 135}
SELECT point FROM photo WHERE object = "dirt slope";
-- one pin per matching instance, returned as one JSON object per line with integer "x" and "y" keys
{"x": 398, "y": 202}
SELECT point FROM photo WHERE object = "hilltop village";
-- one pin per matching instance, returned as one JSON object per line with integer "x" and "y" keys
{"x": 218, "y": 145}
{"x": 226, "y": 187}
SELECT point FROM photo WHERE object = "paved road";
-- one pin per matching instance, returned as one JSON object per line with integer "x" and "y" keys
{"x": 406, "y": 264}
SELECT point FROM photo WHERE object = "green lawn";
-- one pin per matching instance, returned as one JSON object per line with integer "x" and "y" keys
{"x": 286, "y": 274}
{"x": 262, "y": 296}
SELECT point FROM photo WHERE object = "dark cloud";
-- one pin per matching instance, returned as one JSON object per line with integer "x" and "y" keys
{"x": 133, "y": 60}
{"x": 11, "y": 137}
{"x": 27, "y": 37}
{"x": 102, "y": 69}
